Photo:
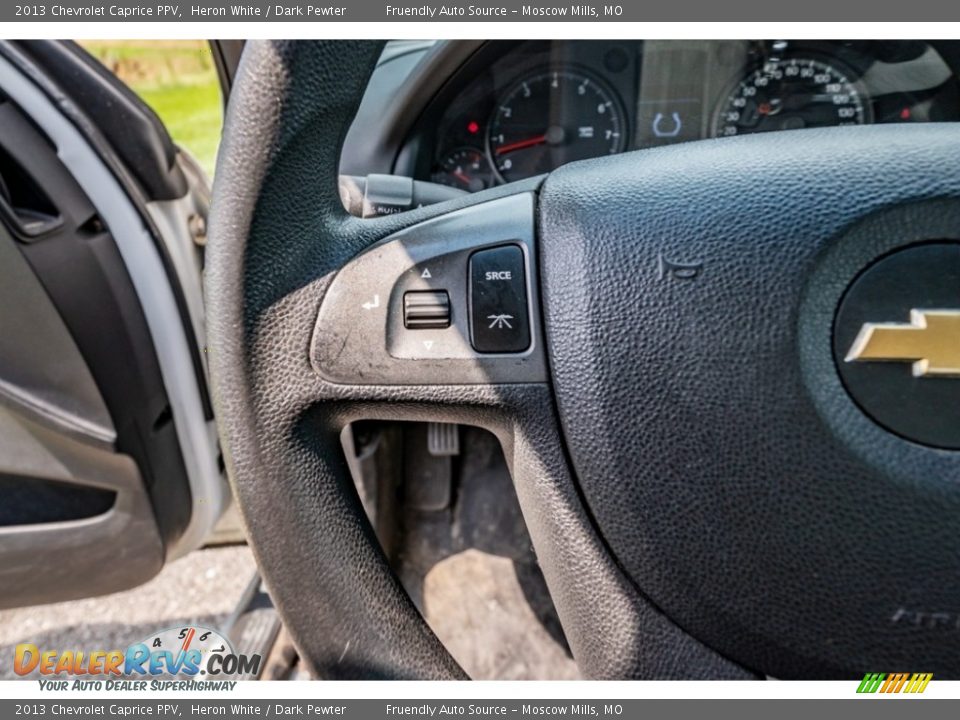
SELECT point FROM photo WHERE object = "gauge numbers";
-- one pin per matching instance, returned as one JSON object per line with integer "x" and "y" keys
{"x": 551, "y": 118}
{"x": 792, "y": 93}
{"x": 179, "y": 640}
{"x": 465, "y": 168}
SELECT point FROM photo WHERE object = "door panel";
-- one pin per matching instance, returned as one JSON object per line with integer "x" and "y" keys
{"x": 88, "y": 555}
{"x": 107, "y": 459}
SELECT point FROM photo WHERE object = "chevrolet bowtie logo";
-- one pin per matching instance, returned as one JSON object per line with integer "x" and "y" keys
{"x": 931, "y": 341}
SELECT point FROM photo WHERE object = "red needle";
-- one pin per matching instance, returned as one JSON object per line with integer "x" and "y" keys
{"x": 520, "y": 144}
{"x": 461, "y": 177}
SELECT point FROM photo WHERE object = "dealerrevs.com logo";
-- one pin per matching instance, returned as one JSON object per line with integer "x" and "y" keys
{"x": 889, "y": 683}
{"x": 180, "y": 655}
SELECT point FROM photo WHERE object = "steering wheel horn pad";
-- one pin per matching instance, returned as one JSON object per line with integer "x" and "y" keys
{"x": 689, "y": 300}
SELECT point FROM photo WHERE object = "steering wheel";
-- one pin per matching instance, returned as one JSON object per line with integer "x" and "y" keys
{"x": 716, "y": 481}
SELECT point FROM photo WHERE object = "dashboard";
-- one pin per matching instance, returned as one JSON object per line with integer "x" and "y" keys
{"x": 512, "y": 110}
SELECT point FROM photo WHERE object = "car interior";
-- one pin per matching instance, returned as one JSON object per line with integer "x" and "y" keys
{"x": 656, "y": 341}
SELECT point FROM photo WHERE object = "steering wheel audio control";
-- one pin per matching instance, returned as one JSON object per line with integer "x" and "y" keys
{"x": 498, "y": 301}
{"x": 448, "y": 301}
{"x": 426, "y": 310}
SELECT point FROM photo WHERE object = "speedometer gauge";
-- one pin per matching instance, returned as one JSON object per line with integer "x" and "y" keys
{"x": 792, "y": 93}
{"x": 551, "y": 118}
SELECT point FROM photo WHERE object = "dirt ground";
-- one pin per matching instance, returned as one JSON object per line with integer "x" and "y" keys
{"x": 472, "y": 601}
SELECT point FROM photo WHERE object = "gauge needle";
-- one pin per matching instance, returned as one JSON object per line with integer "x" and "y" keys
{"x": 458, "y": 174}
{"x": 521, "y": 144}
{"x": 770, "y": 107}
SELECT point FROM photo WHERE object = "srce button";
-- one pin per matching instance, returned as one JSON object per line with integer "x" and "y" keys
{"x": 499, "y": 317}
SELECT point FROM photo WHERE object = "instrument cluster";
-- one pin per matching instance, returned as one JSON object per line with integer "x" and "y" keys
{"x": 516, "y": 110}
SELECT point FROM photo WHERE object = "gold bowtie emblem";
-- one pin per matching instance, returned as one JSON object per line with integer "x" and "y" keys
{"x": 931, "y": 341}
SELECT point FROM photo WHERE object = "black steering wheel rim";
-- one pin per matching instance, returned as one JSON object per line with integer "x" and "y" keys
{"x": 289, "y": 111}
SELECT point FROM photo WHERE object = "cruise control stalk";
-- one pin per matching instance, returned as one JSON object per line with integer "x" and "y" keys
{"x": 376, "y": 195}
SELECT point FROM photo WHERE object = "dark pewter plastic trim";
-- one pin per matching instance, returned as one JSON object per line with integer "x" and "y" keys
{"x": 42, "y": 372}
{"x": 55, "y": 561}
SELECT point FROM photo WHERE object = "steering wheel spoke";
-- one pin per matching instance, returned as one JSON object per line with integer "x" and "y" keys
{"x": 452, "y": 300}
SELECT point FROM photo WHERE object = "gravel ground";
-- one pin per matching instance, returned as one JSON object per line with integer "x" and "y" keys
{"x": 202, "y": 588}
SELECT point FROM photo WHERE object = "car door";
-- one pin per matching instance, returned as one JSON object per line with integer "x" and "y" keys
{"x": 108, "y": 456}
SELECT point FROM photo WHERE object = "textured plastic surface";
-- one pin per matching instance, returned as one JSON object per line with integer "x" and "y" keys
{"x": 42, "y": 372}
{"x": 109, "y": 552}
{"x": 361, "y": 336}
{"x": 689, "y": 298}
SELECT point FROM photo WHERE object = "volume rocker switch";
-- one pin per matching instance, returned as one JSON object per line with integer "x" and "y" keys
{"x": 425, "y": 310}
{"x": 499, "y": 317}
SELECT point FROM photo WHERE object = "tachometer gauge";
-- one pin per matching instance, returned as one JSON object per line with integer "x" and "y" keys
{"x": 792, "y": 93}
{"x": 189, "y": 646}
{"x": 465, "y": 168}
{"x": 551, "y": 118}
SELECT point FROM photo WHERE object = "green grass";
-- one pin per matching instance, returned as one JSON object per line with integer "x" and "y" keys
{"x": 179, "y": 81}
{"x": 192, "y": 116}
